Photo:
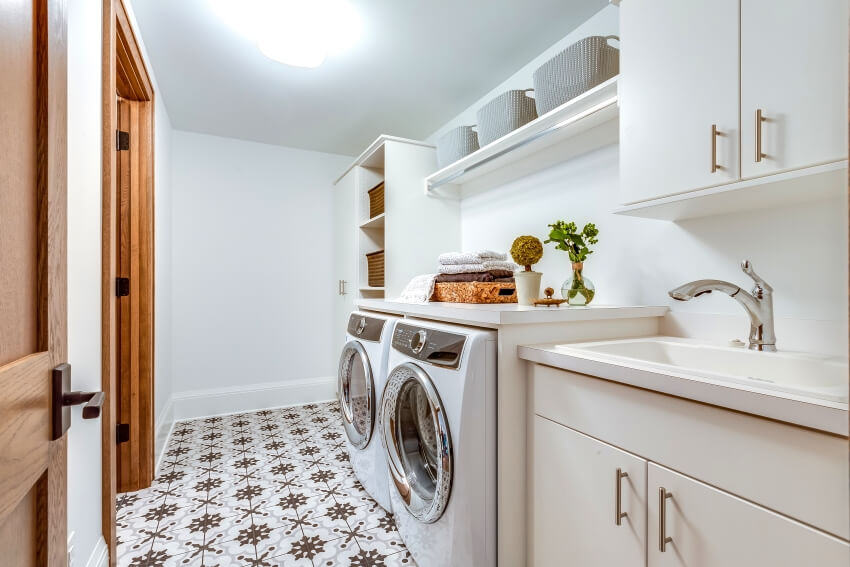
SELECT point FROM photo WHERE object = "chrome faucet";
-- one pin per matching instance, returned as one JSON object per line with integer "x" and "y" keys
{"x": 758, "y": 304}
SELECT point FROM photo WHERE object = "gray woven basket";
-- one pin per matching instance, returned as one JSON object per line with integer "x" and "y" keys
{"x": 455, "y": 144}
{"x": 575, "y": 70}
{"x": 504, "y": 114}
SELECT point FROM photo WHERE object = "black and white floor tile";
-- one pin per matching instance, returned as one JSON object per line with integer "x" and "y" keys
{"x": 272, "y": 488}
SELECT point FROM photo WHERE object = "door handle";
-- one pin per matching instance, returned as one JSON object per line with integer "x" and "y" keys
{"x": 760, "y": 119}
{"x": 63, "y": 399}
{"x": 618, "y": 498}
{"x": 342, "y": 287}
{"x": 663, "y": 540}
{"x": 714, "y": 135}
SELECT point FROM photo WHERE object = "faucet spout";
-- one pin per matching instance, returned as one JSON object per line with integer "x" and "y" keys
{"x": 758, "y": 304}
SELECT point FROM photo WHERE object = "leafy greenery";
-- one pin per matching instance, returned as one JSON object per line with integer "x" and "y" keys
{"x": 527, "y": 251}
{"x": 569, "y": 239}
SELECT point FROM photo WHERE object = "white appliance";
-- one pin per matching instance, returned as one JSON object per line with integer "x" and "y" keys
{"x": 360, "y": 384}
{"x": 439, "y": 430}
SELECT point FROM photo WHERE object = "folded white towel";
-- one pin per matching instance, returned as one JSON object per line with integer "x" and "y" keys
{"x": 484, "y": 266}
{"x": 451, "y": 258}
{"x": 419, "y": 289}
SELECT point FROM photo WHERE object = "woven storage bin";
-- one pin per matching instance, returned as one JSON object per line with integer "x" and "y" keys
{"x": 376, "y": 200}
{"x": 455, "y": 144}
{"x": 375, "y": 265}
{"x": 577, "y": 69}
{"x": 504, "y": 114}
{"x": 474, "y": 292}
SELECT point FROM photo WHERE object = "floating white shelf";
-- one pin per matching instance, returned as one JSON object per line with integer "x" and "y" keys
{"x": 374, "y": 222}
{"x": 816, "y": 183}
{"x": 569, "y": 120}
{"x": 371, "y": 289}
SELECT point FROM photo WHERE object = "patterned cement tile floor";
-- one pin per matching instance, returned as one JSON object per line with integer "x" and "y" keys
{"x": 263, "y": 489}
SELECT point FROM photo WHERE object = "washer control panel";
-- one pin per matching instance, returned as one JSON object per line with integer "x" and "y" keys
{"x": 429, "y": 345}
{"x": 366, "y": 328}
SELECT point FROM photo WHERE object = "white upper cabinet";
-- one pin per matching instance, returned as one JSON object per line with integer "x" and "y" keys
{"x": 793, "y": 69}
{"x": 679, "y": 76}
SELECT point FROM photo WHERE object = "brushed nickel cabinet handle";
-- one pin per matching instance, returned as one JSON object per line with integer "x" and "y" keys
{"x": 760, "y": 119}
{"x": 618, "y": 498}
{"x": 714, "y": 134}
{"x": 663, "y": 540}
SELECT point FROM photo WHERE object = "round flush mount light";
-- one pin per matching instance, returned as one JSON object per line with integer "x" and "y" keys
{"x": 300, "y": 34}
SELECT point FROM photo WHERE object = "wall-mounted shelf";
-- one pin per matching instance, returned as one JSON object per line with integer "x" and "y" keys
{"x": 569, "y": 120}
{"x": 374, "y": 222}
{"x": 371, "y": 289}
{"x": 816, "y": 183}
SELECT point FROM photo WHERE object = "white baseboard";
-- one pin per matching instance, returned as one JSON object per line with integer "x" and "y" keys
{"x": 249, "y": 397}
{"x": 164, "y": 425}
{"x": 100, "y": 554}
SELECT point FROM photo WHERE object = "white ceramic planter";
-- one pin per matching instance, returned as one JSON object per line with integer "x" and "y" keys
{"x": 527, "y": 286}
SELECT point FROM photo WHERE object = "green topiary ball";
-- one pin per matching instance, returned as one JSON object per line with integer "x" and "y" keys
{"x": 527, "y": 251}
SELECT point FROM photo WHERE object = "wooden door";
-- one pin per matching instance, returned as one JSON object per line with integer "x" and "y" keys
{"x": 33, "y": 331}
{"x": 793, "y": 69}
{"x": 576, "y": 491}
{"x": 344, "y": 260}
{"x": 134, "y": 262}
{"x": 679, "y": 65}
{"x": 712, "y": 528}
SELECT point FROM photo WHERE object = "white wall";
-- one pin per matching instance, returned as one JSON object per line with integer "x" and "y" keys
{"x": 801, "y": 251}
{"x": 252, "y": 265}
{"x": 84, "y": 268}
{"x": 84, "y": 211}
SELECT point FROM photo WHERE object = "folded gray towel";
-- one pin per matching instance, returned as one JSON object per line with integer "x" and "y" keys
{"x": 473, "y": 277}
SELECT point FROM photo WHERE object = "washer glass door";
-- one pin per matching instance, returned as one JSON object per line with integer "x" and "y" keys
{"x": 356, "y": 392}
{"x": 418, "y": 443}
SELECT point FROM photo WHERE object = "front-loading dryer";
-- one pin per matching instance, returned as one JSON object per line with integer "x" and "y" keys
{"x": 439, "y": 430}
{"x": 360, "y": 384}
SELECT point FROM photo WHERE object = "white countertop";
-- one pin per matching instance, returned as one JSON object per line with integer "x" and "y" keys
{"x": 827, "y": 416}
{"x": 495, "y": 315}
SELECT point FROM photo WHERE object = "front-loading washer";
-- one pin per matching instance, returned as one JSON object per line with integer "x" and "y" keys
{"x": 439, "y": 431}
{"x": 360, "y": 383}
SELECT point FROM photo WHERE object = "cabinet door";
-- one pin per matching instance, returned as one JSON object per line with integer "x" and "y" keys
{"x": 575, "y": 499}
{"x": 344, "y": 256}
{"x": 679, "y": 64}
{"x": 711, "y": 528}
{"x": 793, "y": 68}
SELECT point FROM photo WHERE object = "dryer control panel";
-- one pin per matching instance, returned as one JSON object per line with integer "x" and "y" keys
{"x": 366, "y": 328}
{"x": 429, "y": 345}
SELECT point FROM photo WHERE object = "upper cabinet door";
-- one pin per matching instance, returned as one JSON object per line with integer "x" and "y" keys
{"x": 711, "y": 528}
{"x": 679, "y": 75}
{"x": 793, "y": 69}
{"x": 577, "y": 494}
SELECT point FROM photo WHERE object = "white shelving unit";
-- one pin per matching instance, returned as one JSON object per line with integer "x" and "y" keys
{"x": 570, "y": 120}
{"x": 374, "y": 222}
{"x": 805, "y": 185}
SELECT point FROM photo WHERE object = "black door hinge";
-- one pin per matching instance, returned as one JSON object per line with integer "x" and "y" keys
{"x": 122, "y": 140}
{"x": 122, "y": 433}
{"x": 122, "y": 287}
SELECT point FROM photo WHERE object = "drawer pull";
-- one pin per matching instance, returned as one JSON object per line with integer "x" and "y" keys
{"x": 618, "y": 498}
{"x": 759, "y": 120}
{"x": 714, "y": 134}
{"x": 663, "y": 540}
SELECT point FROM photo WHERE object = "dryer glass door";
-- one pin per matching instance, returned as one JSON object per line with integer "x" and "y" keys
{"x": 419, "y": 447}
{"x": 356, "y": 392}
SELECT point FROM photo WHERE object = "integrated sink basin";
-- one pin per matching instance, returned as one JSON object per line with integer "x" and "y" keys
{"x": 799, "y": 374}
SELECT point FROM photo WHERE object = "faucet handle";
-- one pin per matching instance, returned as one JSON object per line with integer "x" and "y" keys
{"x": 761, "y": 285}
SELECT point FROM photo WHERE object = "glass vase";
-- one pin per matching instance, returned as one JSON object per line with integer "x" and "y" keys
{"x": 578, "y": 290}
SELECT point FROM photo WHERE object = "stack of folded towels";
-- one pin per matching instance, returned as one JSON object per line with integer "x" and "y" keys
{"x": 483, "y": 266}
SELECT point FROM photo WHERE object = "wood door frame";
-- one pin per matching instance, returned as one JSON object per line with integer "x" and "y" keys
{"x": 124, "y": 73}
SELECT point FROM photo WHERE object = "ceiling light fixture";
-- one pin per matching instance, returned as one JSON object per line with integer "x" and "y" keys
{"x": 297, "y": 33}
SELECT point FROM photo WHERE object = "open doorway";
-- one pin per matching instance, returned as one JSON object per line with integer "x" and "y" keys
{"x": 128, "y": 265}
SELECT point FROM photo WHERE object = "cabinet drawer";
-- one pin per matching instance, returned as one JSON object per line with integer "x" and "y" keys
{"x": 711, "y": 528}
{"x": 797, "y": 472}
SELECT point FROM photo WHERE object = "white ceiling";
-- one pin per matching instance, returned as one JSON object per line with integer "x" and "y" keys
{"x": 417, "y": 65}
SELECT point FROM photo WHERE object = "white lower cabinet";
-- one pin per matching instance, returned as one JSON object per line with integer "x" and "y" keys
{"x": 707, "y": 527}
{"x": 576, "y": 490}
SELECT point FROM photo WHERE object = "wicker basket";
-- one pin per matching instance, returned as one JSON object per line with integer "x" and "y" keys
{"x": 376, "y": 200}
{"x": 504, "y": 114}
{"x": 474, "y": 292}
{"x": 575, "y": 70}
{"x": 375, "y": 265}
{"x": 456, "y": 144}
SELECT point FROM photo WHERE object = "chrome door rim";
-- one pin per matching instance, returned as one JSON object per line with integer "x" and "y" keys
{"x": 423, "y": 509}
{"x": 352, "y": 351}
